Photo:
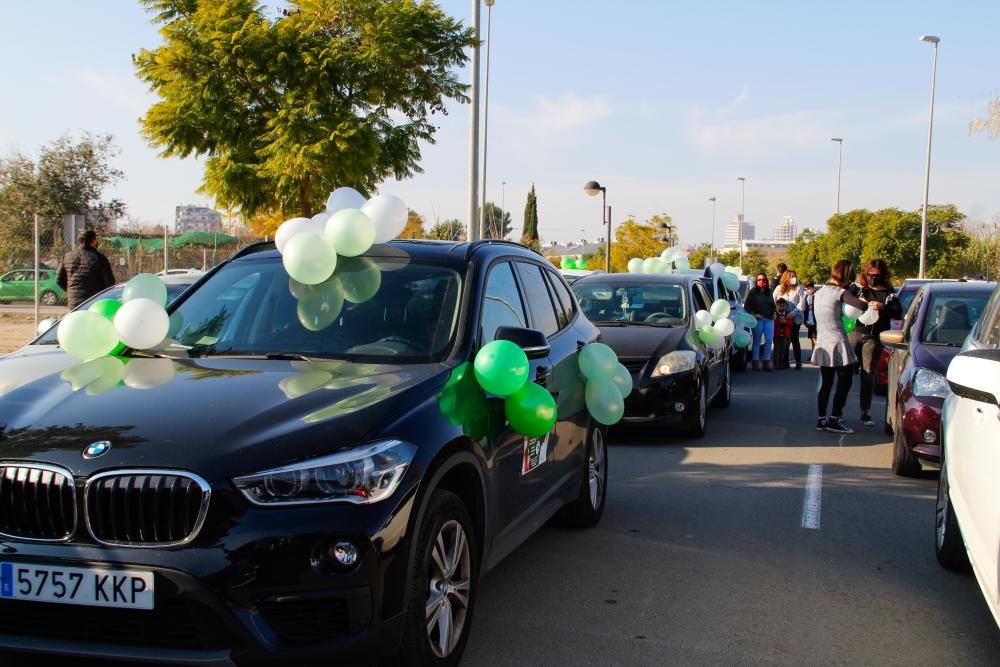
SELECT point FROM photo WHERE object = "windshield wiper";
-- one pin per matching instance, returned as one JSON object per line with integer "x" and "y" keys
{"x": 629, "y": 323}
{"x": 274, "y": 356}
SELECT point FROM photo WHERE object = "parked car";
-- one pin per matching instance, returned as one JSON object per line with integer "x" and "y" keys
{"x": 43, "y": 356}
{"x": 738, "y": 357}
{"x": 296, "y": 478}
{"x": 967, "y": 529}
{"x": 19, "y": 285}
{"x": 937, "y": 323}
{"x": 572, "y": 275}
{"x": 649, "y": 322}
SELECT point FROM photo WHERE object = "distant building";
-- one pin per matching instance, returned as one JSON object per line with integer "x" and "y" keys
{"x": 786, "y": 230}
{"x": 197, "y": 219}
{"x": 732, "y": 238}
{"x": 572, "y": 249}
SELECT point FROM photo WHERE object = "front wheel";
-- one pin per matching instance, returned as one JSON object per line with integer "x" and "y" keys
{"x": 49, "y": 298}
{"x": 698, "y": 417}
{"x": 904, "y": 462}
{"x": 948, "y": 544}
{"x": 725, "y": 395}
{"x": 587, "y": 509}
{"x": 443, "y": 583}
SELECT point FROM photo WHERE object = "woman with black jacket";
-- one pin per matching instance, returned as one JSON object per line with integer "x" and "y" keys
{"x": 760, "y": 304}
{"x": 874, "y": 287}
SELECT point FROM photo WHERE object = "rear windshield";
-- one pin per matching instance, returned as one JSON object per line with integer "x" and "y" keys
{"x": 950, "y": 317}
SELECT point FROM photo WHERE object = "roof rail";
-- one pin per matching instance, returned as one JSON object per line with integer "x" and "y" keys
{"x": 252, "y": 248}
{"x": 473, "y": 246}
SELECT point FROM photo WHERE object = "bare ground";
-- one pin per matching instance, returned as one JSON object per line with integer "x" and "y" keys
{"x": 15, "y": 331}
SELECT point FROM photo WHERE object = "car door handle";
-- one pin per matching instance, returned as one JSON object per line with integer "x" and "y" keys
{"x": 542, "y": 374}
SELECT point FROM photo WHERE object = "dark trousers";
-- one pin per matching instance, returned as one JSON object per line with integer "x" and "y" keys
{"x": 869, "y": 352}
{"x": 844, "y": 376}
{"x": 781, "y": 352}
{"x": 796, "y": 344}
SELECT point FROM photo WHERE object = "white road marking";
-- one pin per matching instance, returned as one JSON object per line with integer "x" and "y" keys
{"x": 813, "y": 501}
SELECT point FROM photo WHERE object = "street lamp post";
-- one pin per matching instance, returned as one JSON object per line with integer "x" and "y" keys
{"x": 743, "y": 213}
{"x": 840, "y": 164}
{"x": 486, "y": 102}
{"x": 712, "y": 199}
{"x": 592, "y": 188}
{"x": 930, "y": 39}
{"x": 474, "y": 232}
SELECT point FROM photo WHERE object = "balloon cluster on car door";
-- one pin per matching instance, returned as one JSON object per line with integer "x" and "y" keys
{"x": 608, "y": 383}
{"x": 714, "y": 325}
{"x": 139, "y": 320}
{"x": 311, "y": 247}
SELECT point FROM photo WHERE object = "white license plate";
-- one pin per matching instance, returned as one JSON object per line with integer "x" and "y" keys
{"x": 92, "y": 586}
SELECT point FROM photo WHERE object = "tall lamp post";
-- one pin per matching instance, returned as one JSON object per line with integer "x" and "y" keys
{"x": 474, "y": 231}
{"x": 592, "y": 188}
{"x": 930, "y": 39}
{"x": 840, "y": 164}
{"x": 743, "y": 213}
{"x": 486, "y": 102}
{"x": 712, "y": 199}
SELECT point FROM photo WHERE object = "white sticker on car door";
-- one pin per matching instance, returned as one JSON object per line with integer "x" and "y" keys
{"x": 534, "y": 453}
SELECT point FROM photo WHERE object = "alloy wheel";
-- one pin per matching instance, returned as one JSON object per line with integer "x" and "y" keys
{"x": 941, "y": 507}
{"x": 595, "y": 468}
{"x": 450, "y": 582}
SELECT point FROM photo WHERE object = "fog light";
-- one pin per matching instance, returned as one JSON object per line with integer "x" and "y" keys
{"x": 678, "y": 407}
{"x": 930, "y": 436}
{"x": 345, "y": 553}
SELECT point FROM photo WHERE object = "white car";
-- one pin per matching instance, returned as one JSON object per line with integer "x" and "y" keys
{"x": 968, "y": 502}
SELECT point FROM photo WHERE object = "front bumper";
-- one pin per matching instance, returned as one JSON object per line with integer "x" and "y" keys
{"x": 256, "y": 590}
{"x": 922, "y": 427}
{"x": 657, "y": 399}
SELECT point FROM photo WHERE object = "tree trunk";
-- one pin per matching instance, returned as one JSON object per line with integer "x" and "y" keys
{"x": 305, "y": 198}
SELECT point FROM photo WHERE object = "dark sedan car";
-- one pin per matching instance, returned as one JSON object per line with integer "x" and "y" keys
{"x": 301, "y": 474}
{"x": 937, "y": 322}
{"x": 649, "y": 322}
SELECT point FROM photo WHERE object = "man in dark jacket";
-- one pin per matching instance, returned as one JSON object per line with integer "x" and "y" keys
{"x": 84, "y": 271}
{"x": 874, "y": 286}
{"x": 776, "y": 280}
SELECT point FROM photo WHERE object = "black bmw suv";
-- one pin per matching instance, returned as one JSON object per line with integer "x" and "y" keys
{"x": 299, "y": 472}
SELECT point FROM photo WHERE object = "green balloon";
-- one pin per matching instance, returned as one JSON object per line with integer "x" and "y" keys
{"x": 741, "y": 339}
{"x": 731, "y": 281}
{"x": 145, "y": 286}
{"x": 605, "y": 402}
{"x": 309, "y": 258}
{"x": 461, "y": 400}
{"x": 106, "y": 308}
{"x": 581, "y": 264}
{"x": 598, "y": 362}
{"x": 720, "y": 309}
{"x": 849, "y": 324}
{"x": 567, "y": 263}
{"x": 623, "y": 380}
{"x": 350, "y": 231}
{"x": 321, "y": 304}
{"x": 501, "y": 367}
{"x": 360, "y": 278}
{"x": 707, "y": 334}
{"x": 749, "y": 321}
{"x": 531, "y": 410}
{"x": 86, "y": 335}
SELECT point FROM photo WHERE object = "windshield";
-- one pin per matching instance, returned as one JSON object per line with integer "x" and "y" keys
{"x": 369, "y": 310}
{"x": 659, "y": 304}
{"x": 950, "y": 317}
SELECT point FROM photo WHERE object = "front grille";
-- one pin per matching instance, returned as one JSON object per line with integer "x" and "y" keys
{"x": 146, "y": 507}
{"x": 172, "y": 624}
{"x": 307, "y": 620}
{"x": 37, "y": 502}
{"x": 634, "y": 365}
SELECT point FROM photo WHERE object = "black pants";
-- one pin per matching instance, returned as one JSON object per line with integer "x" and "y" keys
{"x": 845, "y": 377}
{"x": 869, "y": 353}
{"x": 780, "y": 355}
{"x": 796, "y": 345}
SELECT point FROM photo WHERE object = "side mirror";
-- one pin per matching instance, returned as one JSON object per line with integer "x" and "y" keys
{"x": 45, "y": 325}
{"x": 892, "y": 339}
{"x": 975, "y": 375}
{"x": 533, "y": 342}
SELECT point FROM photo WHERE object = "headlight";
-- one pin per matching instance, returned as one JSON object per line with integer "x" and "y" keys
{"x": 362, "y": 476}
{"x": 677, "y": 361}
{"x": 929, "y": 383}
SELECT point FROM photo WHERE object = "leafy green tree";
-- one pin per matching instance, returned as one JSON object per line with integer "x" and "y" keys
{"x": 755, "y": 262}
{"x": 982, "y": 255}
{"x": 730, "y": 258}
{"x": 496, "y": 222}
{"x": 529, "y": 237}
{"x": 804, "y": 258}
{"x": 634, "y": 239}
{"x": 698, "y": 256}
{"x": 329, "y": 93}
{"x": 414, "y": 227}
{"x": 449, "y": 230}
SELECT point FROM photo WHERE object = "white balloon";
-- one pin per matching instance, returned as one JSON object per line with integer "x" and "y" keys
{"x": 717, "y": 343}
{"x": 669, "y": 254}
{"x": 290, "y": 228}
{"x": 869, "y": 317}
{"x": 681, "y": 263}
{"x": 141, "y": 323}
{"x": 389, "y": 215}
{"x": 725, "y": 327}
{"x": 149, "y": 373}
{"x": 851, "y": 313}
{"x": 651, "y": 265}
{"x": 702, "y": 318}
{"x": 635, "y": 265}
{"x": 717, "y": 269}
{"x": 342, "y": 198}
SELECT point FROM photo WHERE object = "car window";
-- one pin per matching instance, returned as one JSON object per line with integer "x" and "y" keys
{"x": 950, "y": 317}
{"x": 662, "y": 304}
{"x": 502, "y": 305}
{"x": 911, "y": 315}
{"x": 564, "y": 300}
{"x": 702, "y": 301}
{"x": 989, "y": 332}
{"x": 906, "y": 295}
{"x": 536, "y": 292}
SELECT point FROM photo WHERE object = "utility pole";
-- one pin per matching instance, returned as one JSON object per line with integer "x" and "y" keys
{"x": 474, "y": 229}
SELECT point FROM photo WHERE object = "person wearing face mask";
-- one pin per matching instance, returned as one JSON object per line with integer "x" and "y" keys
{"x": 760, "y": 304}
{"x": 790, "y": 290}
{"x": 874, "y": 287}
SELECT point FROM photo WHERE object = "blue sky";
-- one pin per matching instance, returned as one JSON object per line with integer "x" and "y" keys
{"x": 664, "y": 103}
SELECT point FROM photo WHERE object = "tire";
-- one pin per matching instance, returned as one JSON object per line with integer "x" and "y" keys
{"x": 886, "y": 425}
{"x": 696, "y": 421}
{"x": 49, "y": 298}
{"x": 725, "y": 394}
{"x": 740, "y": 361}
{"x": 904, "y": 462}
{"x": 588, "y": 508}
{"x": 441, "y": 583}
{"x": 949, "y": 547}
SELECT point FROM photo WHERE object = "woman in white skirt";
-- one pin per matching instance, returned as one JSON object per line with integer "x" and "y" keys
{"x": 833, "y": 352}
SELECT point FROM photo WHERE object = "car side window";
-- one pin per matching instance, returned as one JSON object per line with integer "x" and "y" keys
{"x": 502, "y": 305}
{"x": 565, "y": 306}
{"x": 536, "y": 292}
{"x": 701, "y": 298}
{"x": 989, "y": 333}
{"x": 911, "y": 315}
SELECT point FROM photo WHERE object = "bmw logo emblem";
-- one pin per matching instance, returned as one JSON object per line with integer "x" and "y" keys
{"x": 96, "y": 449}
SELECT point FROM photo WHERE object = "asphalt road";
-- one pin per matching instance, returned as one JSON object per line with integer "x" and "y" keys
{"x": 702, "y": 558}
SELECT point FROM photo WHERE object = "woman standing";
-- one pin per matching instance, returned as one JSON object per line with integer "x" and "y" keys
{"x": 790, "y": 290}
{"x": 874, "y": 287}
{"x": 760, "y": 304}
{"x": 808, "y": 314}
{"x": 833, "y": 352}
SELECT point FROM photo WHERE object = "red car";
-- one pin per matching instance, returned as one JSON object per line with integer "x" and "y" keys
{"x": 936, "y": 325}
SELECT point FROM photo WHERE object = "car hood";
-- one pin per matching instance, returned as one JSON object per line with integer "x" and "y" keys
{"x": 633, "y": 342}
{"x": 216, "y": 417}
{"x": 934, "y": 357}
{"x": 30, "y": 363}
